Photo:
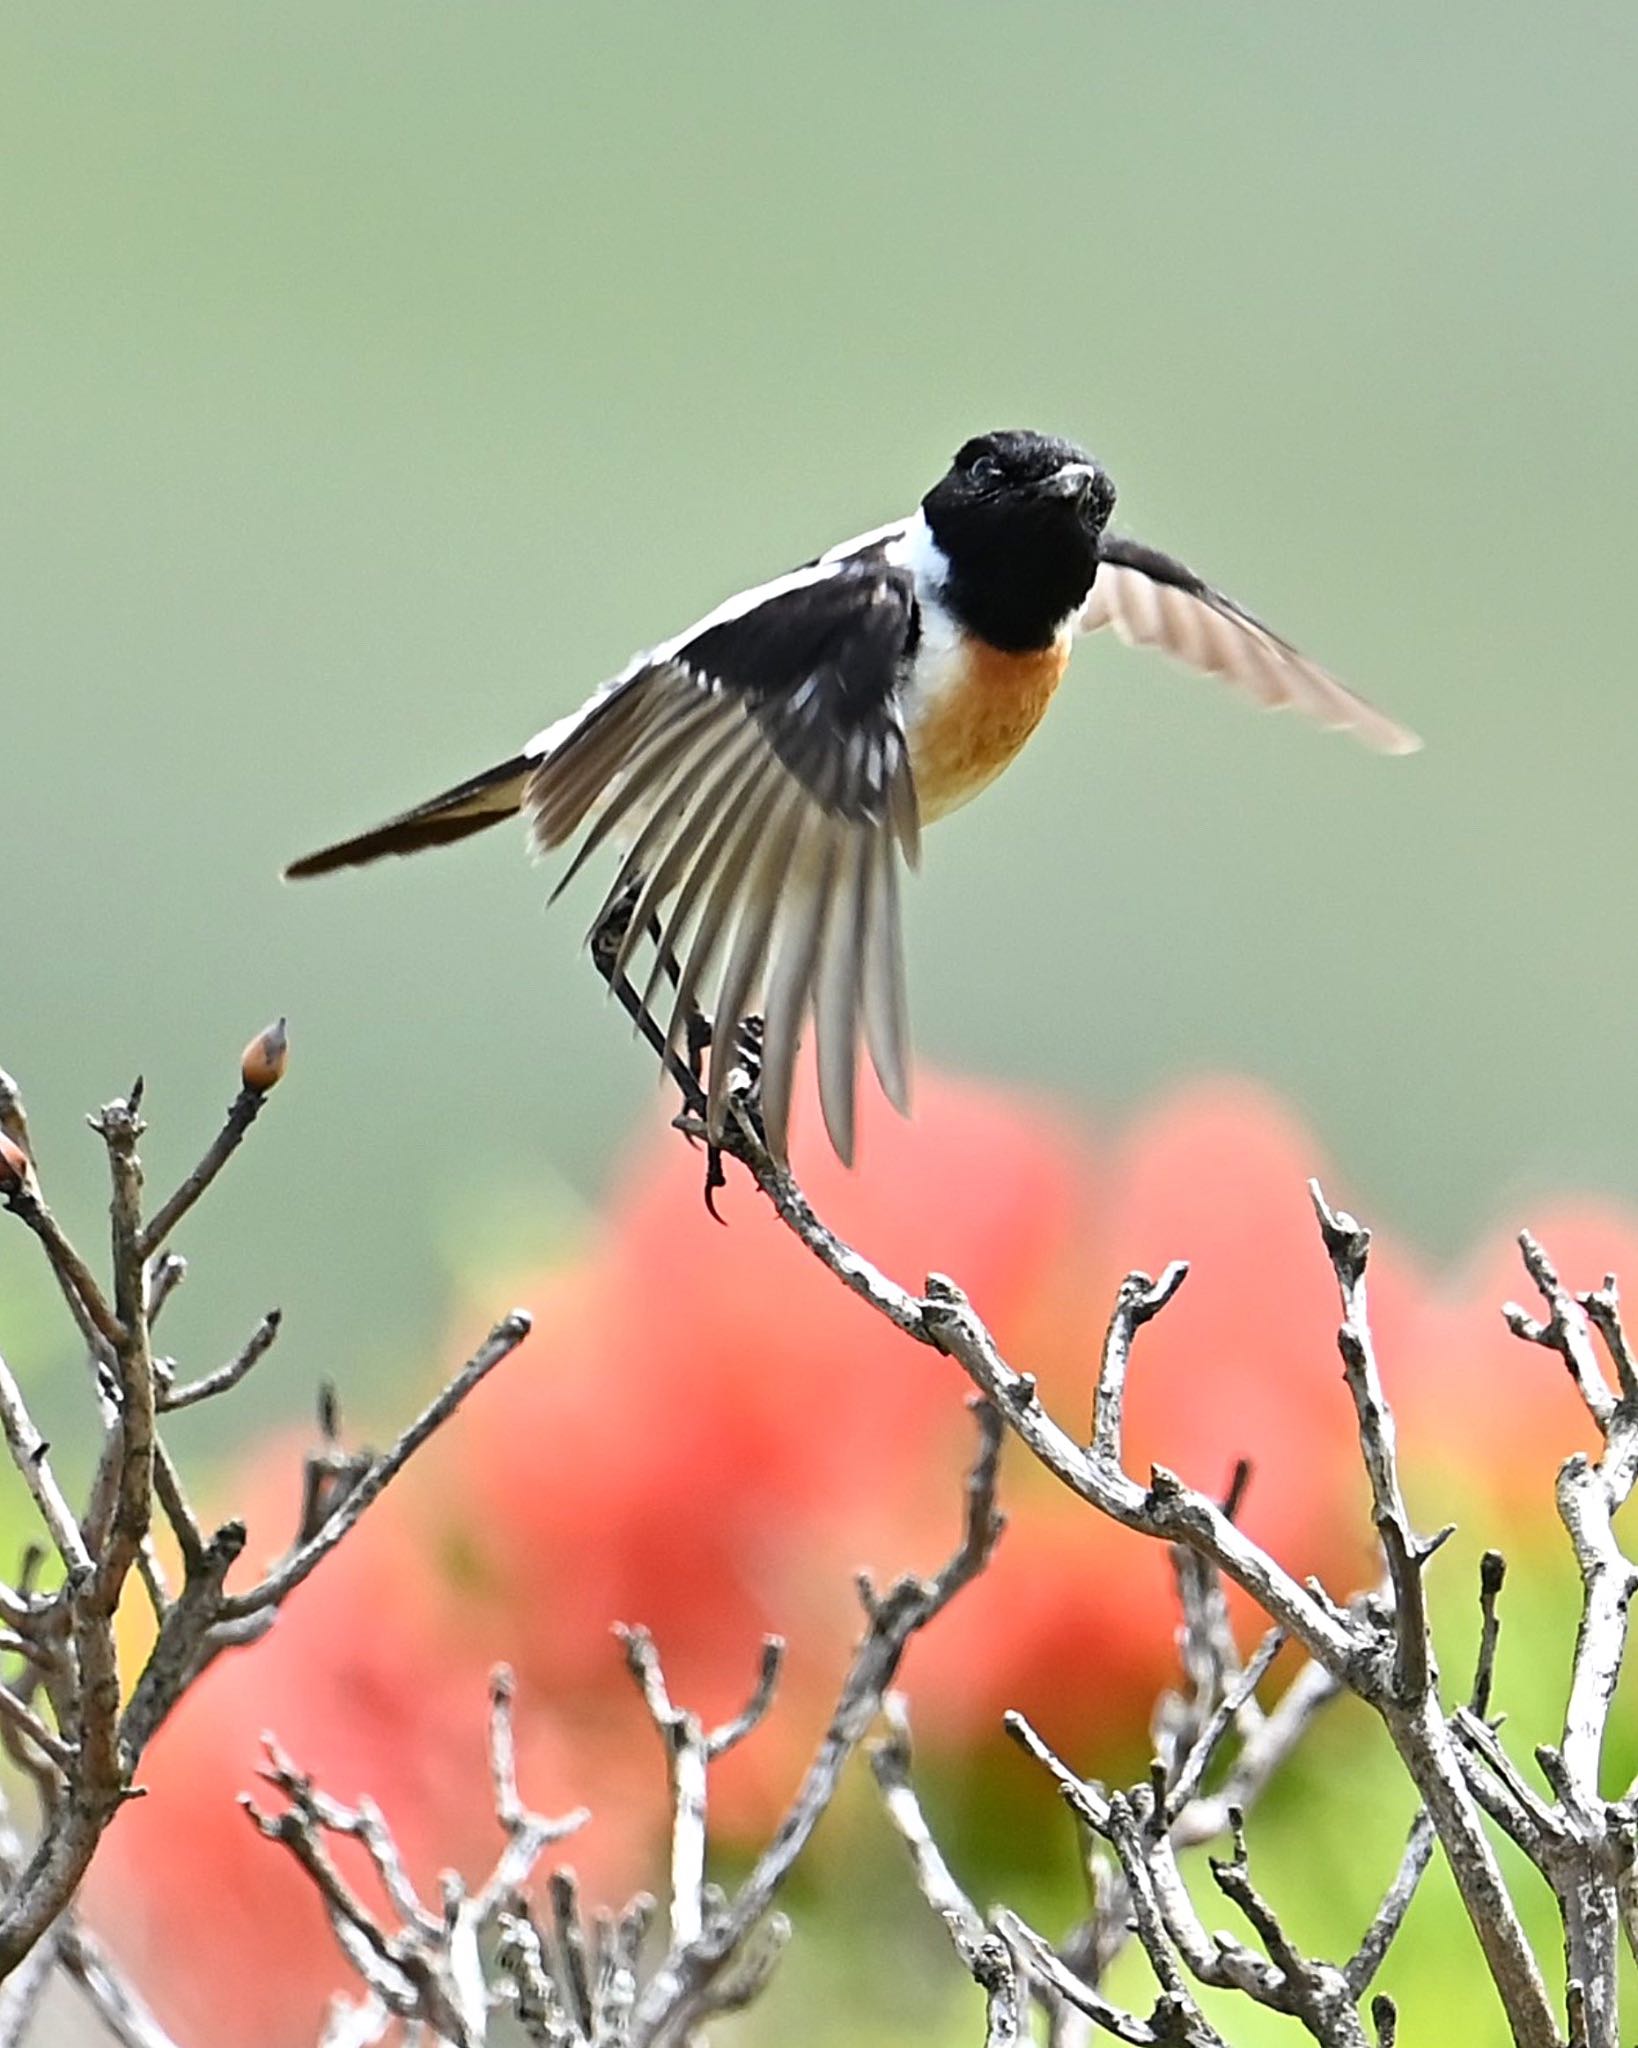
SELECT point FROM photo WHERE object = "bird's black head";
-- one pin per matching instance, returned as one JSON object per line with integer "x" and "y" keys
{"x": 1019, "y": 516}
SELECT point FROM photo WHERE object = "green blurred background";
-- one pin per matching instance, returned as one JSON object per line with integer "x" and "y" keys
{"x": 374, "y": 379}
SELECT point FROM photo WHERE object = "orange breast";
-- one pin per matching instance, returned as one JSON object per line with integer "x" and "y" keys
{"x": 976, "y": 717}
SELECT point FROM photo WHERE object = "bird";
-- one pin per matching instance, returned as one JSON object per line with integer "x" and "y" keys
{"x": 763, "y": 778}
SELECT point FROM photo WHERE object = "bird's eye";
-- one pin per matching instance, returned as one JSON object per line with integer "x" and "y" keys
{"x": 985, "y": 470}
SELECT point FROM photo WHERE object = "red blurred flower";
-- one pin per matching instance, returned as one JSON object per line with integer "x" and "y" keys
{"x": 1073, "y": 1622}
{"x": 1484, "y": 1413}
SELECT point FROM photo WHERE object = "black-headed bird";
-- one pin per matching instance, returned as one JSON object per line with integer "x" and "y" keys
{"x": 763, "y": 776}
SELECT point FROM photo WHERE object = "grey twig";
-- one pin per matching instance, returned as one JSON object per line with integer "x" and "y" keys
{"x": 242, "y": 1113}
{"x": 1138, "y": 1300}
{"x": 122, "y": 2011}
{"x": 680, "y": 1990}
{"x": 1315, "y": 1993}
{"x": 1261, "y": 1754}
{"x": 30, "y": 1453}
{"x": 1583, "y": 1852}
{"x": 1348, "y": 1244}
{"x": 1379, "y": 1937}
{"x": 80, "y": 1290}
{"x": 690, "y": 1750}
{"x": 1409, "y": 1702}
{"x": 580, "y": 1986}
{"x": 1566, "y": 1331}
{"x": 1190, "y": 1774}
{"x": 686, "y": 1760}
{"x": 1184, "y": 2028}
{"x": 84, "y": 1767}
{"x": 890, "y": 1760}
{"x": 991, "y": 1964}
{"x": 1402, "y": 1690}
{"x": 527, "y": 1833}
{"x": 225, "y": 1377}
{"x": 1526, "y": 1816}
{"x": 165, "y": 1275}
{"x": 730, "y": 1733}
{"x": 282, "y": 1581}
{"x": 26, "y": 1723}
{"x": 1492, "y": 1576}
{"x": 1087, "y": 1801}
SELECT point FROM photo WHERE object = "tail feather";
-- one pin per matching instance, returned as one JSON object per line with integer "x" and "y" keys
{"x": 469, "y": 807}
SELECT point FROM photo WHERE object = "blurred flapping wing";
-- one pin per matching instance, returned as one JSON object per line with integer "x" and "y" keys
{"x": 1153, "y": 601}
{"x": 755, "y": 776}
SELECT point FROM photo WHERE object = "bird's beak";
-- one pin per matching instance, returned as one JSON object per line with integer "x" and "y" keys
{"x": 1074, "y": 480}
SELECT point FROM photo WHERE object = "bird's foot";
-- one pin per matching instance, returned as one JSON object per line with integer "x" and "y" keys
{"x": 697, "y": 1040}
{"x": 744, "y": 1111}
{"x": 608, "y": 934}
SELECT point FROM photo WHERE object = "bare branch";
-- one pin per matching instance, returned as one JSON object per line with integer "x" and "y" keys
{"x": 1525, "y": 1815}
{"x": 1565, "y": 1331}
{"x": 29, "y": 1725}
{"x": 747, "y": 1975}
{"x": 165, "y": 1275}
{"x": 686, "y": 1761}
{"x": 1390, "y": 1915}
{"x": 1348, "y": 1244}
{"x": 30, "y": 1454}
{"x": 527, "y": 1833}
{"x": 119, "y": 1125}
{"x": 226, "y": 1377}
{"x": 1492, "y": 1575}
{"x": 890, "y": 1760}
{"x": 1315, "y": 1992}
{"x": 117, "y": 2005}
{"x": 722, "y": 1739}
{"x": 1137, "y": 1302}
{"x": 417, "y": 1972}
{"x": 282, "y": 1581}
{"x": 1403, "y": 1692}
{"x": 85, "y": 1298}
{"x": 1191, "y": 1772}
{"x": 1047, "y": 1969}
{"x": 680, "y": 1989}
{"x": 990, "y": 1963}
{"x": 1603, "y": 1310}
{"x": 242, "y": 1113}
{"x": 1609, "y": 1581}
{"x": 1585, "y": 1859}
{"x": 1089, "y": 1802}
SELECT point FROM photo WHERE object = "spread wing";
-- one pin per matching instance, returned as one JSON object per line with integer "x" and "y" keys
{"x": 1153, "y": 601}
{"x": 755, "y": 775}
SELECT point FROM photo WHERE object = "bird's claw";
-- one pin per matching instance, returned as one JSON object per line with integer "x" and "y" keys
{"x": 745, "y": 1104}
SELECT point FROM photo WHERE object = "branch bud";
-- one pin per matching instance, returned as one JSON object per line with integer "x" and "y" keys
{"x": 16, "y": 1169}
{"x": 262, "y": 1064}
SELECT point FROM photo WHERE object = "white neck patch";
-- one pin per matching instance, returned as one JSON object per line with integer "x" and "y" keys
{"x": 921, "y": 554}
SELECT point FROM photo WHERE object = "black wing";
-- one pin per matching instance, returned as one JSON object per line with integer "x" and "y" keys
{"x": 1153, "y": 601}
{"x": 755, "y": 772}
